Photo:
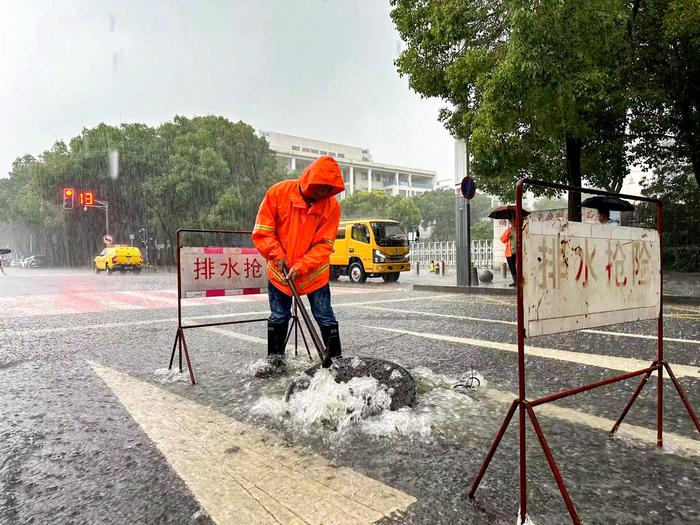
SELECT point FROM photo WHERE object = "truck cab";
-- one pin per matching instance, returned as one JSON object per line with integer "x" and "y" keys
{"x": 370, "y": 248}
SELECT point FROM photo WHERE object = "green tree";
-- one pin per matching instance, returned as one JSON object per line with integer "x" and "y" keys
{"x": 536, "y": 88}
{"x": 199, "y": 172}
{"x": 405, "y": 211}
{"x": 437, "y": 209}
{"x": 365, "y": 204}
{"x": 666, "y": 112}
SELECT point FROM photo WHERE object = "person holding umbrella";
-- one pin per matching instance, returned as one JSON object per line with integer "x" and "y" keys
{"x": 508, "y": 237}
{"x": 605, "y": 204}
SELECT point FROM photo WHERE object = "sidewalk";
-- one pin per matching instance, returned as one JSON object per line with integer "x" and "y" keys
{"x": 678, "y": 287}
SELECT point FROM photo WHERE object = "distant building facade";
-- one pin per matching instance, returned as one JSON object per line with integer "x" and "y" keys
{"x": 360, "y": 171}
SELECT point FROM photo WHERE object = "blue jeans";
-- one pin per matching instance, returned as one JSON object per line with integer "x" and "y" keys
{"x": 320, "y": 300}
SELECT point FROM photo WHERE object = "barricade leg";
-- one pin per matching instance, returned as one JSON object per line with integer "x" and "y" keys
{"x": 179, "y": 354}
{"x": 492, "y": 450}
{"x": 629, "y": 404}
{"x": 660, "y": 408}
{"x": 187, "y": 357}
{"x": 553, "y": 466}
{"x": 172, "y": 355}
{"x": 523, "y": 461}
{"x": 682, "y": 395}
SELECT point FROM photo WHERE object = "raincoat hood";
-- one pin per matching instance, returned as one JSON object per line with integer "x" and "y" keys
{"x": 323, "y": 171}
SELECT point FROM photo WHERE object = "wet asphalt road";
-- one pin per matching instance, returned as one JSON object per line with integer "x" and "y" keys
{"x": 71, "y": 453}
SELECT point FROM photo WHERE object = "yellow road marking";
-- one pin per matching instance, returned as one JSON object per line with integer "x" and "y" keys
{"x": 243, "y": 474}
{"x": 513, "y": 323}
{"x": 683, "y": 316}
{"x": 672, "y": 442}
{"x": 683, "y": 309}
{"x": 624, "y": 364}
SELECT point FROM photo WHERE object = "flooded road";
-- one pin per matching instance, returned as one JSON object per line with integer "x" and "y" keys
{"x": 97, "y": 430}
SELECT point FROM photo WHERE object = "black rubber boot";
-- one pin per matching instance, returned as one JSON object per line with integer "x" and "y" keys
{"x": 331, "y": 338}
{"x": 276, "y": 336}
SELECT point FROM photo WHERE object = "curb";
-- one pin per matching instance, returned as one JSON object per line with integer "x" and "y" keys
{"x": 480, "y": 290}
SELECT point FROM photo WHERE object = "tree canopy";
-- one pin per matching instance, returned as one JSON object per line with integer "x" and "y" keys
{"x": 198, "y": 172}
{"x": 559, "y": 90}
{"x": 431, "y": 210}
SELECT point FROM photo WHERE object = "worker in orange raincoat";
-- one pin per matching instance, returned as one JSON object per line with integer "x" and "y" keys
{"x": 508, "y": 238}
{"x": 295, "y": 229}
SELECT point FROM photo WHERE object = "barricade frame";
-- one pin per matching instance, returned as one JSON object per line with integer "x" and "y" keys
{"x": 180, "y": 342}
{"x": 526, "y": 407}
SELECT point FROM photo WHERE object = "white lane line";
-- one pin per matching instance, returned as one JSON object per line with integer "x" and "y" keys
{"x": 434, "y": 314}
{"x": 242, "y": 474}
{"x": 624, "y": 364}
{"x": 672, "y": 442}
{"x": 513, "y": 323}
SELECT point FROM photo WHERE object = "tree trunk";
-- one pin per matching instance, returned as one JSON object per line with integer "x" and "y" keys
{"x": 573, "y": 174}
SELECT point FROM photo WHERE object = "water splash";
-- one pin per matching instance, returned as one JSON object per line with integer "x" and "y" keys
{"x": 362, "y": 405}
{"x": 164, "y": 375}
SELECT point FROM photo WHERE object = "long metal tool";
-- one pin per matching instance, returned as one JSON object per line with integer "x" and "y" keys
{"x": 318, "y": 343}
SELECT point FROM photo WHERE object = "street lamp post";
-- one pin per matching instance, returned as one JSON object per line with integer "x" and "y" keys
{"x": 104, "y": 205}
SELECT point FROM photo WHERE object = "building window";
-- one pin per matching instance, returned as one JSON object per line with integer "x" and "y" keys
{"x": 331, "y": 154}
{"x": 305, "y": 150}
{"x": 323, "y": 152}
{"x": 295, "y": 148}
{"x": 314, "y": 151}
{"x": 365, "y": 151}
{"x": 341, "y": 155}
{"x": 366, "y": 159}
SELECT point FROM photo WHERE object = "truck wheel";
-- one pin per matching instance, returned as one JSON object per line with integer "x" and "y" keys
{"x": 97, "y": 270}
{"x": 391, "y": 277}
{"x": 357, "y": 273}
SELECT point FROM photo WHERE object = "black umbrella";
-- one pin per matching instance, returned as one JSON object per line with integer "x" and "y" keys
{"x": 605, "y": 202}
{"x": 506, "y": 212}
{"x": 5, "y": 251}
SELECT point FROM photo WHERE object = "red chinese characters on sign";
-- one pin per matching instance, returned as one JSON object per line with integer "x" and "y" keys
{"x": 203, "y": 268}
{"x": 252, "y": 268}
{"x": 585, "y": 265}
{"x": 229, "y": 268}
{"x": 627, "y": 263}
{"x": 220, "y": 270}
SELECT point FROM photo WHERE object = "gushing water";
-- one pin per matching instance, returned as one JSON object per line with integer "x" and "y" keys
{"x": 362, "y": 405}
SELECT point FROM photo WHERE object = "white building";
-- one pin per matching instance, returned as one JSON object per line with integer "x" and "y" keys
{"x": 360, "y": 172}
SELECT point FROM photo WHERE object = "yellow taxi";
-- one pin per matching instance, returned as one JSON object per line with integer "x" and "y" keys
{"x": 120, "y": 258}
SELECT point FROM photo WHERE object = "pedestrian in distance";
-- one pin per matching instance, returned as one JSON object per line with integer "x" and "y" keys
{"x": 508, "y": 238}
{"x": 432, "y": 266}
{"x": 295, "y": 229}
{"x": 1, "y": 267}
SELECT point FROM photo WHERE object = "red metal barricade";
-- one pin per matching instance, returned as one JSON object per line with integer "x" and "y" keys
{"x": 526, "y": 407}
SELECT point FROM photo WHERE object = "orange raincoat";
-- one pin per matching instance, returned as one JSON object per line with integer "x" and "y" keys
{"x": 507, "y": 239}
{"x": 287, "y": 228}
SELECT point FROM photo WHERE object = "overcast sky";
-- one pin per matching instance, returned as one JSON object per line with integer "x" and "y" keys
{"x": 315, "y": 68}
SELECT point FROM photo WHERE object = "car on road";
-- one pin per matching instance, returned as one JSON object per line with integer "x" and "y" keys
{"x": 35, "y": 261}
{"x": 120, "y": 258}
